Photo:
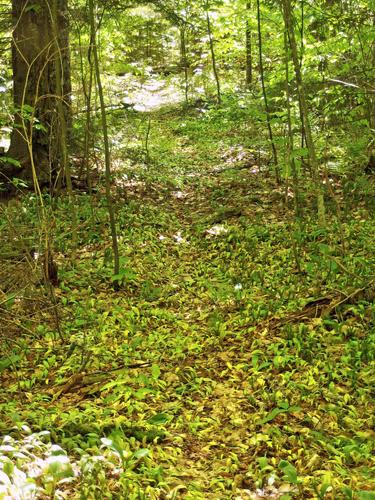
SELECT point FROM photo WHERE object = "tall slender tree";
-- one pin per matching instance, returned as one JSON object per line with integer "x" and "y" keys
{"x": 249, "y": 55}
{"x": 289, "y": 26}
{"x": 107, "y": 154}
{"x": 212, "y": 50}
{"x": 184, "y": 62}
{"x": 265, "y": 97}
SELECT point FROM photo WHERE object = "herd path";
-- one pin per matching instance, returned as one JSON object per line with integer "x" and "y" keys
{"x": 201, "y": 195}
{"x": 246, "y": 359}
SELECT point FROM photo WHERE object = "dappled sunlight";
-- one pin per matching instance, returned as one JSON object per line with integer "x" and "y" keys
{"x": 5, "y": 138}
{"x": 216, "y": 230}
{"x": 186, "y": 261}
{"x": 146, "y": 95}
{"x": 179, "y": 195}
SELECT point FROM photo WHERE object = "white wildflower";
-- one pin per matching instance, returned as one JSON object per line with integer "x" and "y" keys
{"x": 217, "y": 230}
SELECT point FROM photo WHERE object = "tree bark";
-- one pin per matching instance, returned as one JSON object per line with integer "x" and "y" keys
{"x": 249, "y": 56}
{"x": 266, "y": 107}
{"x": 39, "y": 89}
{"x": 289, "y": 26}
{"x": 213, "y": 54}
{"x": 184, "y": 62}
{"x": 107, "y": 154}
{"x": 290, "y": 141}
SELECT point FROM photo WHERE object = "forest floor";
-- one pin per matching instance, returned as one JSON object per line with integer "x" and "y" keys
{"x": 236, "y": 360}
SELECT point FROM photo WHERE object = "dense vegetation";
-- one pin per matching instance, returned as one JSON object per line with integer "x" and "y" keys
{"x": 187, "y": 260}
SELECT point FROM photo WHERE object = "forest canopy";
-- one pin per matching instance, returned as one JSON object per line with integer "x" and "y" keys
{"x": 187, "y": 249}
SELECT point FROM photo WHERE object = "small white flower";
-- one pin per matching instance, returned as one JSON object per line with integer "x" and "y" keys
{"x": 179, "y": 195}
{"x": 179, "y": 239}
{"x": 271, "y": 480}
{"x": 216, "y": 230}
{"x": 238, "y": 287}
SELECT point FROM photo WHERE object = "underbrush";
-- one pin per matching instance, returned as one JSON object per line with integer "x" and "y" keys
{"x": 235, "y": 361}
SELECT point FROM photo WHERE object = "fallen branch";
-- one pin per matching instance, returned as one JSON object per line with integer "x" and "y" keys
{"x": 84, "y": 379}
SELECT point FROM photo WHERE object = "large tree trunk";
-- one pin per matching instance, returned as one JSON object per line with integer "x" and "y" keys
{"x": 41, "y": 82}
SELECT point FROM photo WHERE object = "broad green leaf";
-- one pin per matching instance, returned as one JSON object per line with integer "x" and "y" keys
{"x": 263, "y": 462}
{"x": 155, "y": 371}
{"x": 365, "y": 495}
{"x": 9, "y": 301}
{"x": 8, "y": 361}
{"x": 159, "y": 419}
{"x": 141, "y": 453}
{"x": 324, "y": 249}
{"x": 290, "y": 473}
{"x": 277, "y": 411}
{"x": 141, "y": 393}
{"x": 11, "y": 161}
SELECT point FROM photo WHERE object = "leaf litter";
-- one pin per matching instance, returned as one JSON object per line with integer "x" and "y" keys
{"x": 221, "y": 369}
